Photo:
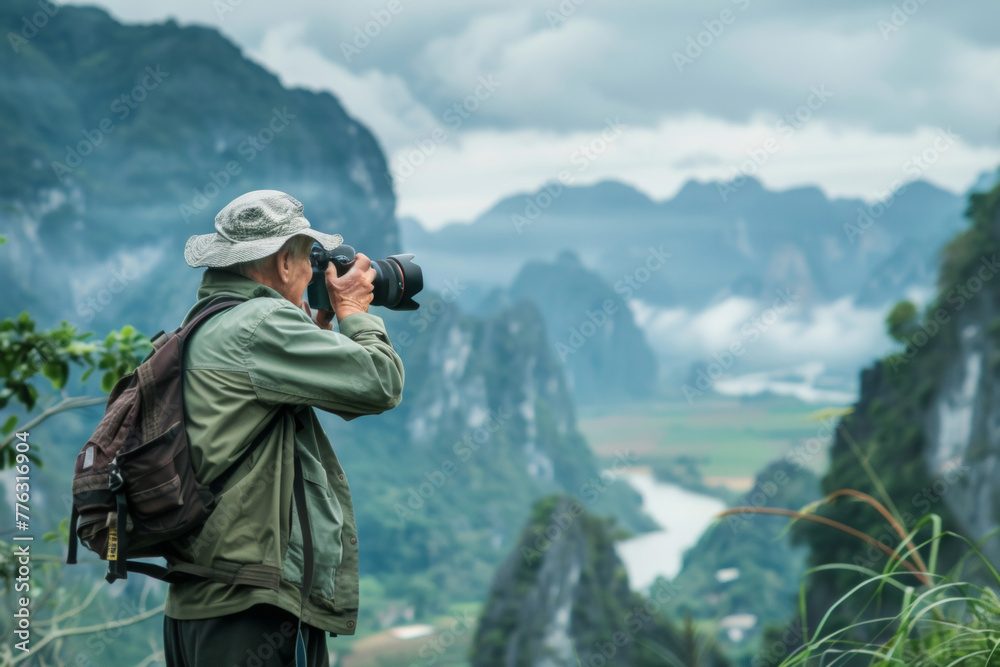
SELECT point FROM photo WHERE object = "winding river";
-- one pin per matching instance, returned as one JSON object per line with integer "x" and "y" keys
{"x": 683, "y": 516}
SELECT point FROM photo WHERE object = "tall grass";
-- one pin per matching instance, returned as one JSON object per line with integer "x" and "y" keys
{"x": 942, "y": 619}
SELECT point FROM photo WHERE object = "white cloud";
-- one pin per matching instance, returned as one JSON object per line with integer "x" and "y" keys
{"x": 935, "y": 70}
{"x": 470, "y": 172}
{"x": 812, "y": 353}
{"x": 558, "y": 86}
{"x": 381, "y": 102}
{"x": 799, "y": 381}
{"x": 840, "y": 333}
{"x": 457, "y": 60}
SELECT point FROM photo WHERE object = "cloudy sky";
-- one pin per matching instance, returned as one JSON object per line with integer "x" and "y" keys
{"x": 476, "y": 101}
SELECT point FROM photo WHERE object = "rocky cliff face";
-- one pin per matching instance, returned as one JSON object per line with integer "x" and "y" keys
{"x": 604, "y": 355}
{"x": 925, "y": 435}
{"x": 487, "y": 427}
{"x": 962, "y": 423}
{"x": 118, "y": 142}
{"x": 562, "y": 598}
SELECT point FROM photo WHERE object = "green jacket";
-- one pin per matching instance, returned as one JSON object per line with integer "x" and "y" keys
{"x": 241, "y": 367}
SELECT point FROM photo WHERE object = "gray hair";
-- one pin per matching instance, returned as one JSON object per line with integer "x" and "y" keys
{"x": 298, "y": 246}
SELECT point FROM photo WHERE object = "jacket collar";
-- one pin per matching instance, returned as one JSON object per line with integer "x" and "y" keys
{"x": 216, "y": 283}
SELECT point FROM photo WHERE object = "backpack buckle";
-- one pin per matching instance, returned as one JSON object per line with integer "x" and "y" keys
{"x": 159, "y": 339}
{"x": 115, "y": 479}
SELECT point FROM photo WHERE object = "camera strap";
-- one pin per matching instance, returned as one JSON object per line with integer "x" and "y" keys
{"x": 299, "y": 492}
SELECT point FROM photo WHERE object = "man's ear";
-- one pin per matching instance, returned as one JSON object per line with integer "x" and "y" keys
{"x": 283, "y": 264}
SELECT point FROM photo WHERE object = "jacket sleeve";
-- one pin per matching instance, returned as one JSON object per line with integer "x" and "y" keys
{"x": 350, "y": 373}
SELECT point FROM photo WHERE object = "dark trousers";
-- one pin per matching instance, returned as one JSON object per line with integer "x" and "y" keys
{"x": 261, "y": 636}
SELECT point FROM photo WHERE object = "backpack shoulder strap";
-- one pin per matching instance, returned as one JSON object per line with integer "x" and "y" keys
{"x": 158, "y": 339}
{"x": 185, "y": 331}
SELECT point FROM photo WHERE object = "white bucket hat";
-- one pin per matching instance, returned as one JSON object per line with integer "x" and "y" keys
{"x": 253, "y": 226}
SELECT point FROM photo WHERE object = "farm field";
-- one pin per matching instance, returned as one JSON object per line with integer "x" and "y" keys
{"x": 731, "y": 439}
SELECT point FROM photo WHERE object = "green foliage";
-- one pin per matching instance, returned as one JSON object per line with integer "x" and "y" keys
{"x": 949, "y": 622}
{"x": 27, "y": 353}
{"x": 562, "y": 535}
{"x": 122, "y": 351}
{"x": 881, "y": 450}
{"x": 901, "y": 321}
{"x": 961, "y": 258}
{"x": 756, "y": 546}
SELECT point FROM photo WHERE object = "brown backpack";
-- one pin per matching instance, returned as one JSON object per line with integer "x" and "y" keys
{"x": 134, "y": 488}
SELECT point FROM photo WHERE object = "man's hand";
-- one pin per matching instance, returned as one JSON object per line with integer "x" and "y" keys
{"x": 352, "y": 292}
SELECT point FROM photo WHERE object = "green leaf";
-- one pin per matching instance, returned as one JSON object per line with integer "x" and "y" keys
{"x": 86, "y": 374}
{"x": 127, "y": 331}
{"x": 57, "y": 372}
{"x": 78, "y": 349}
{"x": 9, "y": 425}
{"x": 26, "y": 394}
{"x": 108, "y": 382}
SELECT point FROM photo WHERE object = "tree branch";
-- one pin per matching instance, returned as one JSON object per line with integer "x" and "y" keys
{"x": 76, "y": 610}
{"x": 63, "y": 405}
{"x": 159, "y": 656}
{"x": 55, "y": 634}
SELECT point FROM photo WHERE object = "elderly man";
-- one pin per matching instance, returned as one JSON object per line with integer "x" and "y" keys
{"x": 259, "y": 368}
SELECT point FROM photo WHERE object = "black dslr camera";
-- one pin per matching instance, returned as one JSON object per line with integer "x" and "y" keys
{"x": 397, "y": 278}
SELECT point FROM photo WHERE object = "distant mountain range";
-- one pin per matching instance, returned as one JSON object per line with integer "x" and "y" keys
{"x": 691, "y": 266}
{"x": 722, "y": 240}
